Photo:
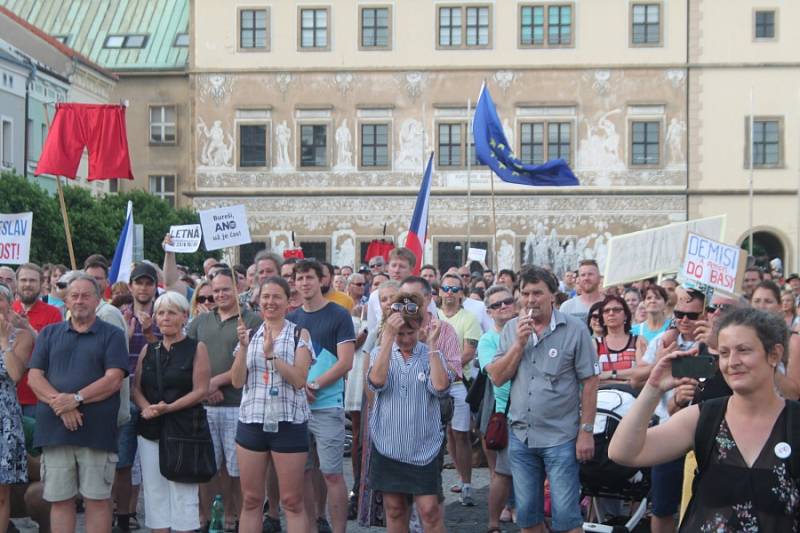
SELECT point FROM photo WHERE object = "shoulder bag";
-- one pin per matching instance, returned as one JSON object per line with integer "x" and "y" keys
{"x": 497, "y": 429}
{"x": 185, "y": 449}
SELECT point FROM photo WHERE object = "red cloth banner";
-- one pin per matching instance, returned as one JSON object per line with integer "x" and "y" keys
{"x": 100, "y": 128}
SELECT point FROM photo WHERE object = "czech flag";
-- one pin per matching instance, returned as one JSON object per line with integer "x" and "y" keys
{"x": 418, "y": 231}
{"x": 123, "y": 256}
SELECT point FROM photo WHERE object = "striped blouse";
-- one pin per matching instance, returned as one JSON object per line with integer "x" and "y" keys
{"x": 292, "y": 403}
{"x": 405, "y": 421}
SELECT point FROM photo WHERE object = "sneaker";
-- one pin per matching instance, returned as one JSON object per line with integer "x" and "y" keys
{"x": 466, "y": 497}
{"x": 271, "y": 525}
{"x": 323, "y": 526}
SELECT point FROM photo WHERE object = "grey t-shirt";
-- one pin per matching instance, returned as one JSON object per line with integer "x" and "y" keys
{"x": 576, "y": 308}
{"x": 545, "y": 392}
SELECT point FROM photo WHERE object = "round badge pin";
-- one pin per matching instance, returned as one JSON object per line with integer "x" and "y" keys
{"x": 783, "y": 450}
{"x": 553, "y": 352}
{"x": 421, "y": 376}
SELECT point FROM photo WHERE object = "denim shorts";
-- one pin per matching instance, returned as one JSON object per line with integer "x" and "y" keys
{"x": 290, "y": 438}
{"x": 666, "y": 487}
{"x": 530, "y": 467}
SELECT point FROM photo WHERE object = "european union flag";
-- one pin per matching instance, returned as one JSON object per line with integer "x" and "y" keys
{"x": 492, "y": 149}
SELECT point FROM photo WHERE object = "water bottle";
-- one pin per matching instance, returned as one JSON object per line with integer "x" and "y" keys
{"x": 271, "y": 412}
{"x": 217, "y": 523}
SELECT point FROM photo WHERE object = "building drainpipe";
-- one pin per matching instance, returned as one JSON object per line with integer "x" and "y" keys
{"x": 26, "y": 143}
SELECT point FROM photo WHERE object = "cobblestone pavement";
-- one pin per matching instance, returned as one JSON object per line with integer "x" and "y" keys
{"x": 458, "y": 519}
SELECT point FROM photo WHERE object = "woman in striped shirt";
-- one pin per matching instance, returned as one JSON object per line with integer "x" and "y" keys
{"x": 272, "y": 366}
{"x": 408, "y": 377}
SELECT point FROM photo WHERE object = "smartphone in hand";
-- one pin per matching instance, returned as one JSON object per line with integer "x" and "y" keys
{"x": 702, "y": 366}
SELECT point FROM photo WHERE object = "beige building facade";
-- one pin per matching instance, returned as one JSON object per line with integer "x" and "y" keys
{"x": 319, "y": 116}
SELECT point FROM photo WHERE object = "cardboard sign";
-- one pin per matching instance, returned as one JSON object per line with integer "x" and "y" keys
{"x": 477, "y": 254}
{"x": 224, "y": 227}
{"x": 15, "y": 238}
{"x": 656, "y": 251}
{"x": 710, "y": 263}
{"x": 185, "y": 239}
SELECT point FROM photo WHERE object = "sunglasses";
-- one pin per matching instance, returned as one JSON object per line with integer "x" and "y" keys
{"x": 497, "y": 305}
{"x": 205, "y": 299}
{"x": 451, "y": 289}
{"x": 376, "y": 265}
{"x": 358, "y": 284}
{"x": 713, "y": 308}
{"x": 409, "y": 308}
{"x": 61, "y": 285}
{"x": 694, "y": 315}
{"x": 595, "y": 316}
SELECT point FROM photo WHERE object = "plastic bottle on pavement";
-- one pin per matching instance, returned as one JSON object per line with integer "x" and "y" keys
{"x": 217, "y": 523}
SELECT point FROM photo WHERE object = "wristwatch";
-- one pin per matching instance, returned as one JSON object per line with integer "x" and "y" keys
{"x": 78, "y": 398}
{"x": 314, "y": 385}
{"x": 613, "y": 374}
{"x": 588, "y": 428}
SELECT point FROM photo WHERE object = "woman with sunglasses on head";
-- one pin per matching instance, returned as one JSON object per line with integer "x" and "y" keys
{"x": 408, "y": 376}
{"x": 767, "y": 297}
{"x": 272, "y": 366}
{"x": 616, "y": 348}
{"x": 743, "y": 443}
{"x": 501, "y": 307}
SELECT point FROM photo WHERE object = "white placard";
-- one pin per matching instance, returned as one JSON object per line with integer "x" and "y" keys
{"x": 477, "y": 254}
{"x": 15, "y": 238}
{"x": 656, "y": 251}
{"x": 224, "y": 227}
{"x": 712, "y": 263}
{"x": 185, "y": 239}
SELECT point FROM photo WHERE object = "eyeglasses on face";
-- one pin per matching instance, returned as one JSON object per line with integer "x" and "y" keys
{"x": 358, "y": 284}
{"x": 691, "y": 315}
{"x": 497, "y": 305}
{"x": 713, "y": 308}
{"x": 452, "y": 289}
{"x": 205, "y": 299}
{"x": 595, "y": 316}
{"x": 406, "y": 307}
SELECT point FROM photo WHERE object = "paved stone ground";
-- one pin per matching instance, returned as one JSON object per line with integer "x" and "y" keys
{"x": 458, "y": 519}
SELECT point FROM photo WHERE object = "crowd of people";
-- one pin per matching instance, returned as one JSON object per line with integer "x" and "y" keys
{"x": 286, "y": 364}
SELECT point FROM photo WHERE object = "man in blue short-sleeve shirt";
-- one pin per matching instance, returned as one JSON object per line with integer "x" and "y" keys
{"x": 333, "y": 337}
{"x": 76, "y": 372}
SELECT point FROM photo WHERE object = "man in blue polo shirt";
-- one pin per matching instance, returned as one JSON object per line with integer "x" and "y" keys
{"x": 76, "y": 372}
{"x": 333, "y": 337}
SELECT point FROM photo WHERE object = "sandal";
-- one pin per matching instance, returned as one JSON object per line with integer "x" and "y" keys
{"x": 134, "y": 522}
{"x": 505, "y": 515}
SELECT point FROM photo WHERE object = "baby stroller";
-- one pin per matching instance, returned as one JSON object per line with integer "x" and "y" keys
{"x": 602, "y": 478}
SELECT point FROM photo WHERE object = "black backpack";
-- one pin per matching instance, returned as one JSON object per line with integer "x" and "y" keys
{"x": 711, "y": 414}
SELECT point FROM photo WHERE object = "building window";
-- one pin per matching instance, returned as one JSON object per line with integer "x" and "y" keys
{"x": 765, "y": 24}
{"x": 164, "y": 188}
{"x": 454, "y": 22}
{"x": 554, "y": 21}
{"x": 252, "y": 145}
{"x": 314, "y": 29}
{"x": 646, "y": 24}
{"x": 181, "y": 40}
{"x": 6, "y": 143}
{"x": 451, "y": 147}
{"x": 375, "y": 28}
{"x": 126, "y": 41}
{"x": 315, "y": 250}
{"x": 113, "y": 186}
{"x": 766, "y": 146}
{"x": 314, "y": 145}
{"x": 163, "y": 124}
{"x": 375, "y": 145}
{"x": 253, "y": 28}
{"x": 536, "y": 147}
{"x": 645, "y": 143}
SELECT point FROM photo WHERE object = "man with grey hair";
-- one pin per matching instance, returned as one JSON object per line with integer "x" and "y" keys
{"x": 76, "y": 372}
{"x": 8, "y": 278}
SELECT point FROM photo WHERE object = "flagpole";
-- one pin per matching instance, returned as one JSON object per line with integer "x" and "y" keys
{"x": 469, "y": 180}
{"x": 62, "y": 203}
{"x": 752, "y": 157}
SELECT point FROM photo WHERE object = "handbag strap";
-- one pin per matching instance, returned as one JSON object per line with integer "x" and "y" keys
{"x": 159, "y": 380}
{"x": 508, "y": 404}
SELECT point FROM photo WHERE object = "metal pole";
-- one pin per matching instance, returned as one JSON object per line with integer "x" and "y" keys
{"x": 752, "y": 157}
{"x": 469, "y": 179}
{"x": 797, "y": 237}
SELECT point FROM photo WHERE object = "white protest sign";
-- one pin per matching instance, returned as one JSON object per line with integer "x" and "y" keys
{"x": 185, "y": 239}
{"x": 15, "y": 238}
{"x": 713, "y": 264}
{"x": 651, "y": 252}
{"x": 224, "y": 227}
{"x": 477, "y": 254}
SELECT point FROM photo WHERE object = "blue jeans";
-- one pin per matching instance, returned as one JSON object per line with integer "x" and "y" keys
{"x": 530, "y": 467}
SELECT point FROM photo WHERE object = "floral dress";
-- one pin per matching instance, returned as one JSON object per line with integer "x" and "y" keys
{"x": 13, "y": 460}
{"x": 732, "y": 497}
